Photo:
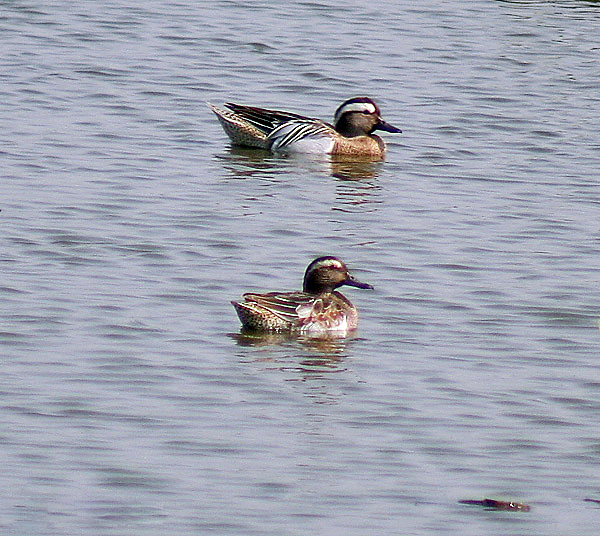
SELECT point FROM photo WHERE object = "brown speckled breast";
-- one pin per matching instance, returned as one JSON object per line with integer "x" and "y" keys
{"x": 360, "y": 145}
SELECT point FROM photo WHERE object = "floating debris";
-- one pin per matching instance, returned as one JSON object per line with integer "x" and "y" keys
{"x": 498, "y": 505}
{"x": 596, "y": 501}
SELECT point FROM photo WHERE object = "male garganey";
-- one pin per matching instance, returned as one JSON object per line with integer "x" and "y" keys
{"x": 317, "y": 310}
{"x": 351, "y": 134}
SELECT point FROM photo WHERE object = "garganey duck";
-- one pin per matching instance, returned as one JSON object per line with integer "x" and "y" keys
{"x": 317, "y": 310}
{"x": 351, "y": 134}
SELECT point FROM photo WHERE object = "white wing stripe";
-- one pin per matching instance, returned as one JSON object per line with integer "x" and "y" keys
{"x": 293, "y": 131}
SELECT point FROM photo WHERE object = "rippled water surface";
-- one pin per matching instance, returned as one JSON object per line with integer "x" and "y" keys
{"x": 131, "y": 404}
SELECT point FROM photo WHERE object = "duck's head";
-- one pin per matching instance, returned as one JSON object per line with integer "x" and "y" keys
{"x": 360, "y": 116}
{"x": 325, "y": 274}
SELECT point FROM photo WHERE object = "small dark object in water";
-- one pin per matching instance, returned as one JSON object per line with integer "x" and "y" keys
{"x": 597, "y": 501}
{"x": 498, "y": 505}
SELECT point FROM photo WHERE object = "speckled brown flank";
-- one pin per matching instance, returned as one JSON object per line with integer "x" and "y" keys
{"x": 240, "y": 132}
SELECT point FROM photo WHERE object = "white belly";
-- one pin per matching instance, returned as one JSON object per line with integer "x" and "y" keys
{"x": 316, "y": 328}
{"x": 312, "y": 144}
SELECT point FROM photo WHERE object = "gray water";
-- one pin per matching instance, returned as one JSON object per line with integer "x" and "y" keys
{"x": 130, "y": 404}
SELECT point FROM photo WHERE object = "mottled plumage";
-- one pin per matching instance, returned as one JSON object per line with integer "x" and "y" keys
{"x": 351, "y": 134}
{"x": 318, "y": 309}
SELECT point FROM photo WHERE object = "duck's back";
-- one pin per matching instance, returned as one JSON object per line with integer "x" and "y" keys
{"x": 271, "y": 311}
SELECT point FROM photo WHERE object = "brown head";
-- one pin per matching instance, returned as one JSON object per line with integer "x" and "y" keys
{"x": 360, "y": 116}
{"x": 325, "y": 274}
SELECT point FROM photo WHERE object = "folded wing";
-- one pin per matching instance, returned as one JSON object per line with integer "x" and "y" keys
{"x": 303, "y": 135}
{"x": 264, "y": 120}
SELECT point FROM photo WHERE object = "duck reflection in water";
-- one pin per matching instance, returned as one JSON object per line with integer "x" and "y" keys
{"x": 243, "y": 162}
{"x": 332, "y": 345}
{"x": 307, "y": 358}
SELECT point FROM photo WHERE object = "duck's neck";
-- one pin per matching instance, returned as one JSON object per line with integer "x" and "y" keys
{"x": 346, "y": 128}
{"x": 312, "y": 286}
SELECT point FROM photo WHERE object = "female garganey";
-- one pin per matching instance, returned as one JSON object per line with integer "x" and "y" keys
{"x": 317, "y": 310}
{"x": 352, "y": 132}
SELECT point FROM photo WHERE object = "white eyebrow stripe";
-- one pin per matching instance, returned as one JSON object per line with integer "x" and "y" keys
{"x": 331, "y": 262}
{"x": 355, "y": 107}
